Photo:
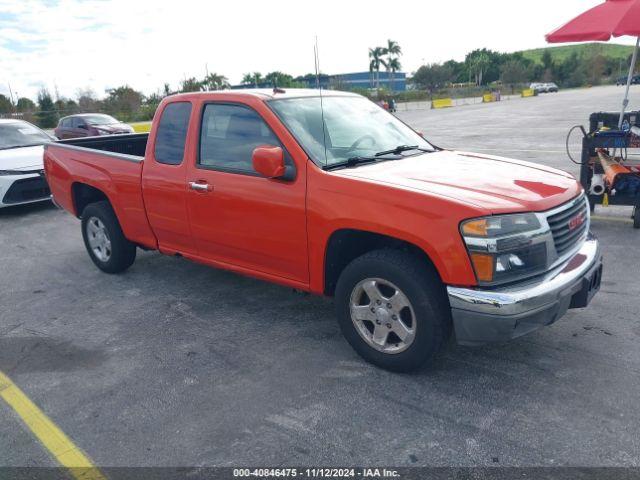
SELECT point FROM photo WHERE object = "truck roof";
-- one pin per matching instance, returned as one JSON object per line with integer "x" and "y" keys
{"x": 270, "y": 93}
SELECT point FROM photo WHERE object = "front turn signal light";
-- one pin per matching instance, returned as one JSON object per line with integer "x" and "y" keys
{"x": 475, "y": 228}
{"x": 483, "y": 264}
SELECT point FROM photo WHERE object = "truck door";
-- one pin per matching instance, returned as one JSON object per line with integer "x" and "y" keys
{"x": 164, "y": 180}
{"x": 237, "y": 216}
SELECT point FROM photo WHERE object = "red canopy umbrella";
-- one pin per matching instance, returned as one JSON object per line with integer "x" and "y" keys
{"x": 614, "y": 18}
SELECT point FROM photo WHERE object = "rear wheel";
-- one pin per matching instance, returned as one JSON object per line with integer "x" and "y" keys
{"x": 107, "y": 246}
{"x": 636, "y": 217}
{"x": 392, "y": 309}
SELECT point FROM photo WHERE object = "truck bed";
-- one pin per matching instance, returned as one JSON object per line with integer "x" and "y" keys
{"x": 98, "y": 167}
{"x": 133, "y": 144}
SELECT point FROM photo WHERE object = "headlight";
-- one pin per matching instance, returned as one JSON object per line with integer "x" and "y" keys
{"x": 505, "y": 248}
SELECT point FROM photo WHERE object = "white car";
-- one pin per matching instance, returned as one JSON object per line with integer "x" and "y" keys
{"x": 21, "y": 168}
{"x": 538, "y": 87}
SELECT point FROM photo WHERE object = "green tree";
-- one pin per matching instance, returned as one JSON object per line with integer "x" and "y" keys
{"x": 431, "y": 77}
{"x": 459, "y": 71}
{"x": 478, "y": 65}
{"x": 393, "y": 52}
{"x": 393, "y": 48}
{"x": 514, "y": 72}
{"x": 376, "y": 61}
{"x": 254, "y": 78}
{"x": 123, "y": 102}
{"x": 282, "y": 80}
{"x": 87, "y": 101}
{"x": 46, "y": 116}
{"x": 547, "y": 60}
{"x": 191, "y": 85}
{"x": 25, "y": 105}
{"x": 5, "y": 104}
{"x": 394, "y": 66}
{"x": 596, "y": 66}
{"x": 213, "y": 81}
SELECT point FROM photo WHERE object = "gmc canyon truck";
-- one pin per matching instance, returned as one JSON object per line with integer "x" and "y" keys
{"x": 333, "y": 195}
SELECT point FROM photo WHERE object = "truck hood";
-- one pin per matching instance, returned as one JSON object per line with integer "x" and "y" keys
{"x": 23, "y": 158}
{"x": 490, "y": 183}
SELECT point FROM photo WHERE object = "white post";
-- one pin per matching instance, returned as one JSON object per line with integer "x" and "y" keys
{"x": 625, "y": 102}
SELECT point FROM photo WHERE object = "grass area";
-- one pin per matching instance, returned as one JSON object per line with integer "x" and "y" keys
{"x": 611, "y": 50}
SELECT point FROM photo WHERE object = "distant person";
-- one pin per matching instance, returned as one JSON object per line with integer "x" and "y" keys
{"x": 392, "y": 105}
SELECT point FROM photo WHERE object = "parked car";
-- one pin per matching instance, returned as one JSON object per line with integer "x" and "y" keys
{"x": 21, "y": 170}
{"x": 338, "y": 197}
{"x": 537, "y": 87}
{"x": 544, "y": 87}
{"x": 635, "y": 80}
{"x": 90, "y": 125}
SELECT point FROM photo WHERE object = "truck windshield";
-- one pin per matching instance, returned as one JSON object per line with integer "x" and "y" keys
{"x": 354, "y": 127}
{"x": 21, "y": 134}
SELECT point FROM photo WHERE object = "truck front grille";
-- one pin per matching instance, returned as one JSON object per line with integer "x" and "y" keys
{"x": 569, "y": 225}
{"x": 27, "y": 190}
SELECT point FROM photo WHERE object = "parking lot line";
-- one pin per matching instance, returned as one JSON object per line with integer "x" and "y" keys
{"x": 50, "y": 436}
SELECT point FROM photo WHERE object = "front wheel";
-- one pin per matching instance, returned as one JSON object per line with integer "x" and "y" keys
{"x": 107, "y": 246}
{"x": 392, "y": 309}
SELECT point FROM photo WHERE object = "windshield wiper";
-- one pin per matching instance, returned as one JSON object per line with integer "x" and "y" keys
{"x": 351, "y": 162}
{"x": 399, "y": 149}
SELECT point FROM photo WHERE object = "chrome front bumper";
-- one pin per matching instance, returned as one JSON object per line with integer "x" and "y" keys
{"x": 484, "y": 316}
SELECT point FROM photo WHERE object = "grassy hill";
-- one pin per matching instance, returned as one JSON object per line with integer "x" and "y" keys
{"x": 611, "y": 50}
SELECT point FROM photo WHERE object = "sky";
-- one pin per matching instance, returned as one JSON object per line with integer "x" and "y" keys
{"x": 99, "y": 44}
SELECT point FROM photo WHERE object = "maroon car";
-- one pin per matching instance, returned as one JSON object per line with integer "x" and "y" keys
{"x": 90, "y": 125}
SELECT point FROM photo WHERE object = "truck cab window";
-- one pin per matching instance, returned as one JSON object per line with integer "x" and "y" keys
{"x": 229, "y": 135}
{"x": 172, "y": 133}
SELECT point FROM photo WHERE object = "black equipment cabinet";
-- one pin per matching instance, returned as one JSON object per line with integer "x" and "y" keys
{"x": 591, "y": 166}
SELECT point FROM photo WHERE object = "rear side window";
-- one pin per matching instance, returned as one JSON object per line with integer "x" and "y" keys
{"x": 229, "y": 135}
{"x": 172, "y": 133}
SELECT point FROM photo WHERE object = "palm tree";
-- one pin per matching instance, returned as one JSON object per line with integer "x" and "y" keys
{"x": 376, "y": 57}
{"x": 254, "y": 78}
{"x": 393, "y": 52}
{"x": 394, "y": 65}
{"x": 478, "y": 64}
{"x": 393, "y": 48}
{"x": 213, "y": 81}
{"x": 247, "y": 79}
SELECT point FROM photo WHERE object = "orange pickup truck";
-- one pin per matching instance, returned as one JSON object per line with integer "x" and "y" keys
{"x": 332, "y": 195}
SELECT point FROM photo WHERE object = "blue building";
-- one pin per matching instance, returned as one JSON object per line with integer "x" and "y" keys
{"x": 367, "y": 80}
{"x": 349, "y": 81}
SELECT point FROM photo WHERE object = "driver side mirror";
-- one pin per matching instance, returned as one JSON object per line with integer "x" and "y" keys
{"x": 268, "y": 161}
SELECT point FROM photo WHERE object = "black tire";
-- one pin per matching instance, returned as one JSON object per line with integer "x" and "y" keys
{"x": 122, "y": 252}
{"x": 636, "y": 217}
{"x": 420, "y": 284}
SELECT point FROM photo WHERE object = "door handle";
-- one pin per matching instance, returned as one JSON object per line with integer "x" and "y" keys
{"x": 200, "y": 187}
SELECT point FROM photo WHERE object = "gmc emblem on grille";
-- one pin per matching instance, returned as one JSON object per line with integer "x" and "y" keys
{"x": 576, "y": 221}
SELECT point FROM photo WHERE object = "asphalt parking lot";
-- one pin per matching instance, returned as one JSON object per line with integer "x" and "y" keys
{"x": 176, "y": 364}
